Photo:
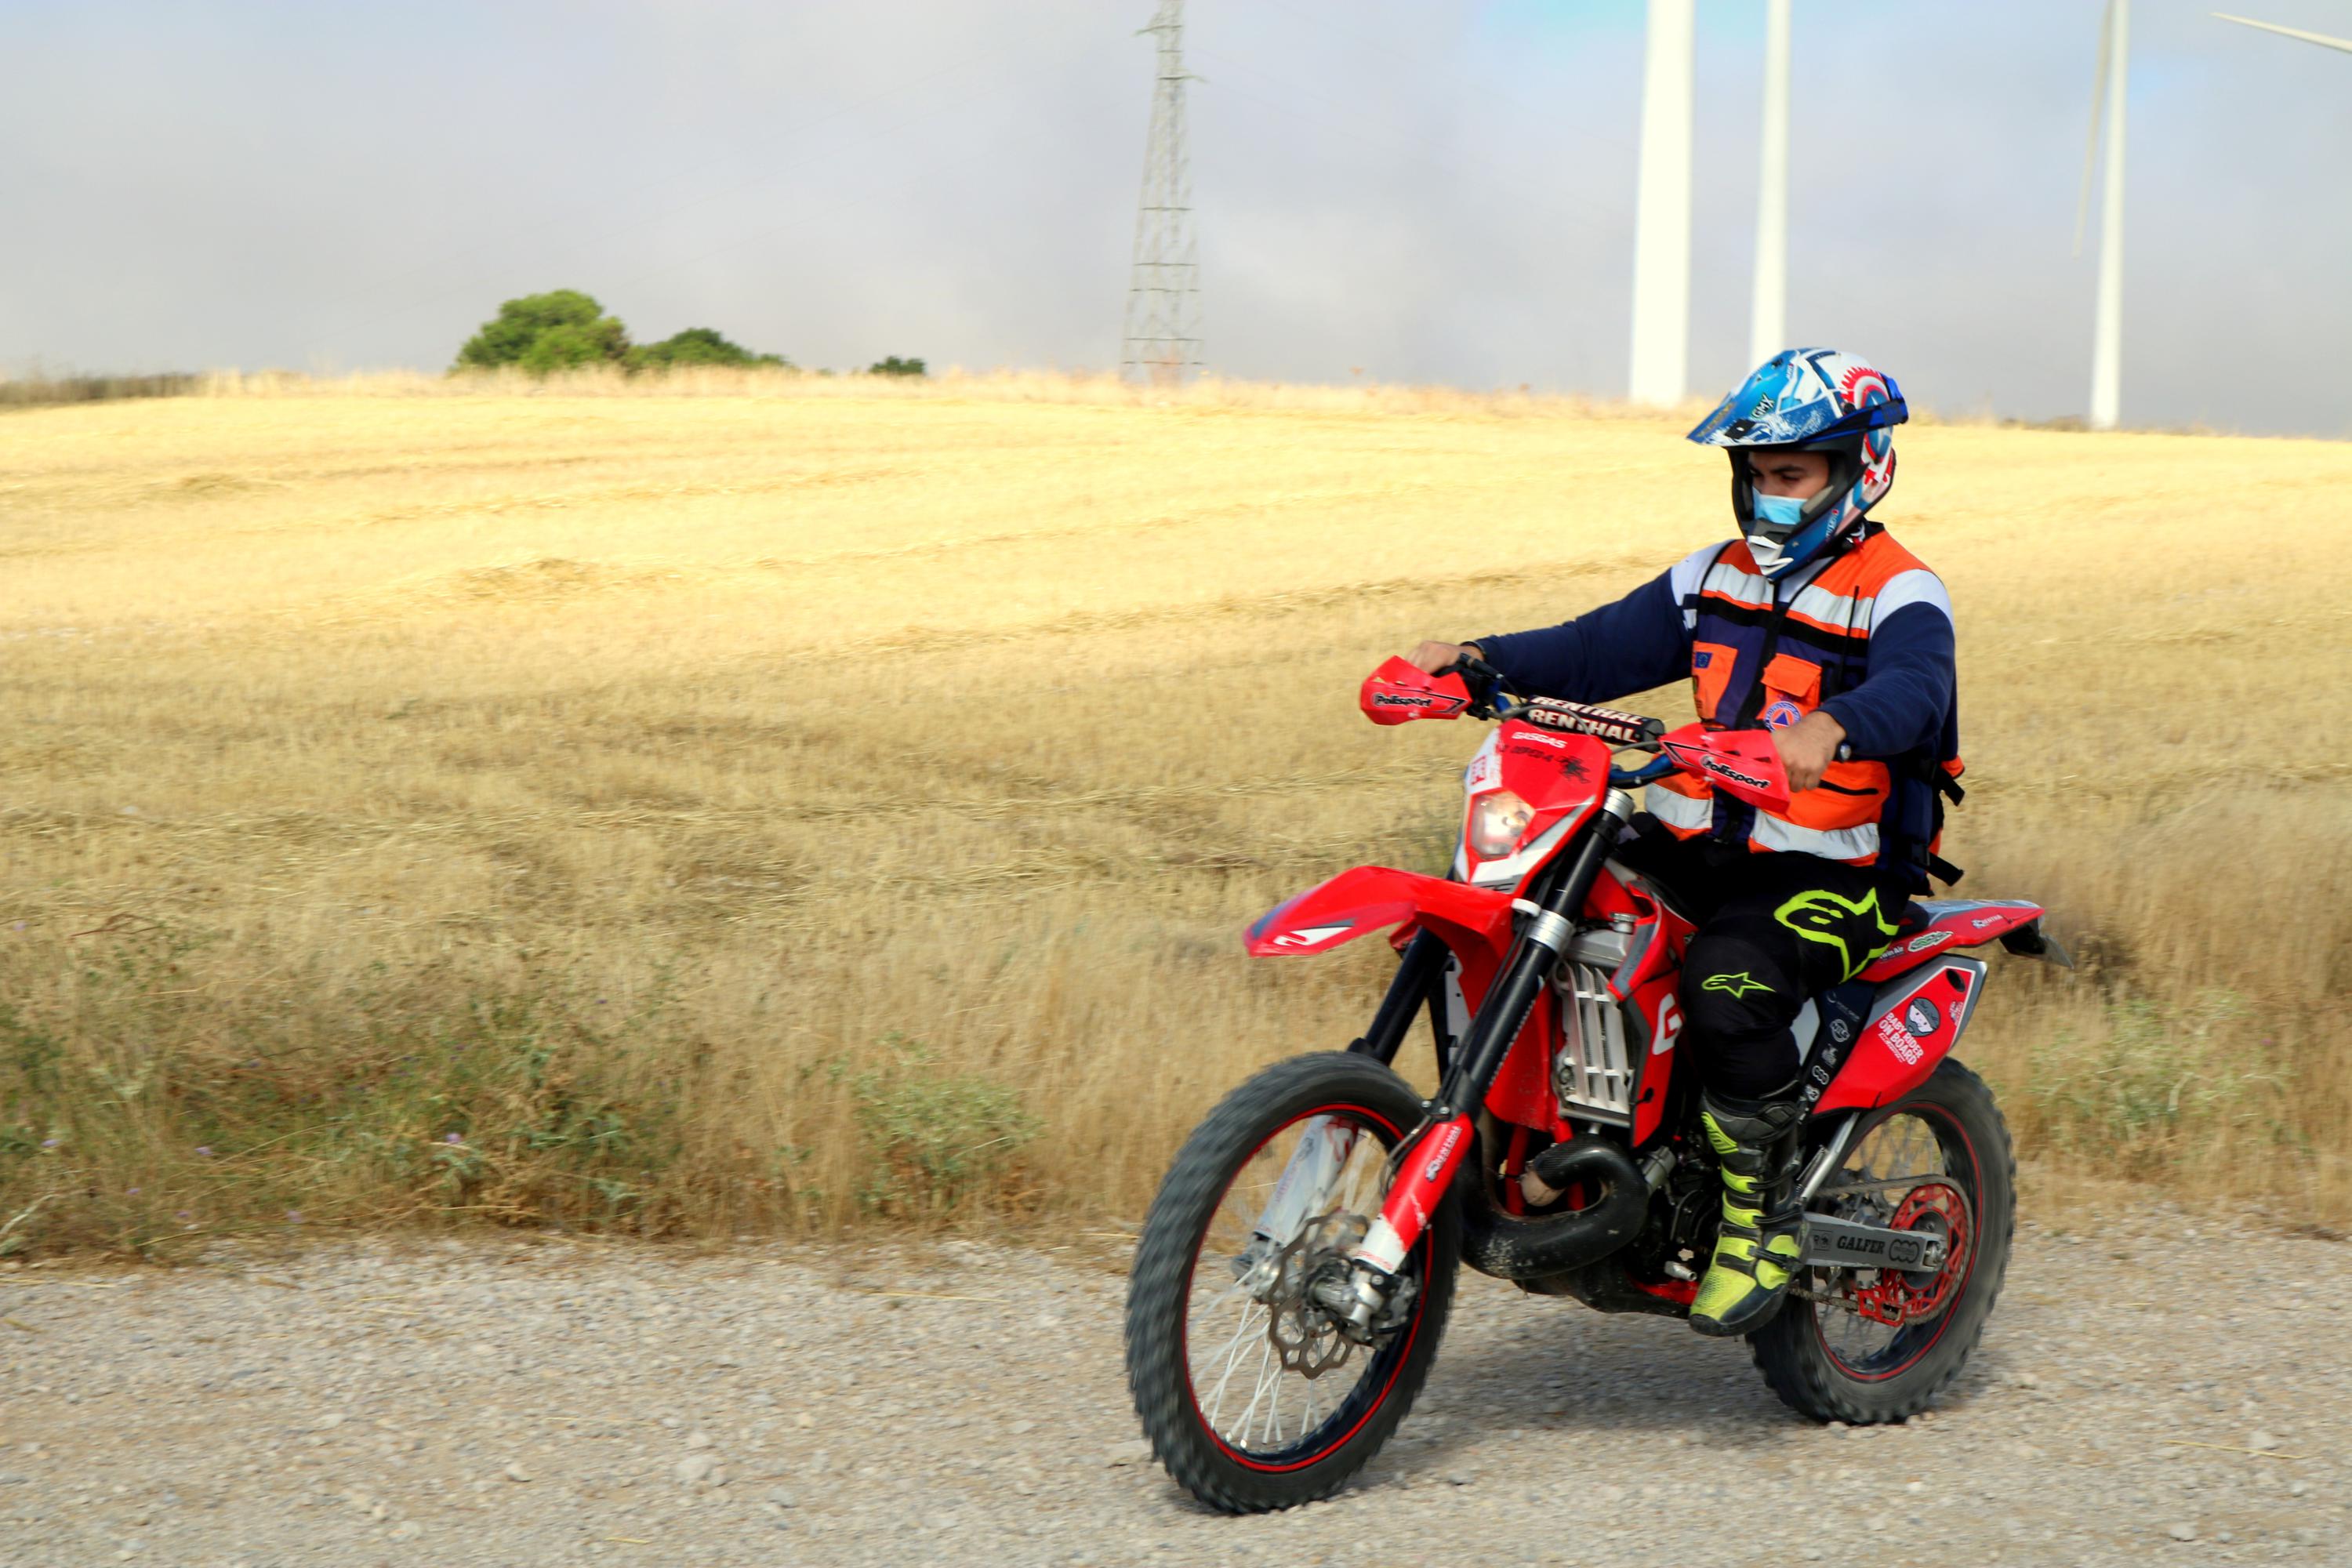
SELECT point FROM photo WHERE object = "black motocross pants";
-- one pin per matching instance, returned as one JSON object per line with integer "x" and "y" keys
{"x": 1773, "y": 929}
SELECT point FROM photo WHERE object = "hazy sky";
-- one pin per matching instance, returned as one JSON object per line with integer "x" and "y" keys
{"x": 1427, "y": 190}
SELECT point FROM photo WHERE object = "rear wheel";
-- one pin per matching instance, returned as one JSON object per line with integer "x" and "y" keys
{"x": 1865, "y": 1346}
{"x": 1252, "y": 1395}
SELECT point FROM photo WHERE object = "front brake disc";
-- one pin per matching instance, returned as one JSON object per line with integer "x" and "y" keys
{"x": 1304, "y": 1336}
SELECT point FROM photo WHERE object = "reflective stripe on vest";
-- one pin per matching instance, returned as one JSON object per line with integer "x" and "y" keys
{"x": 1856, "y": 843}
{"x": 1685, "y": 814}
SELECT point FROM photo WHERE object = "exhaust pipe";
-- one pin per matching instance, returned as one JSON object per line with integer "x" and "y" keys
{"x": 1515, "y": 1246}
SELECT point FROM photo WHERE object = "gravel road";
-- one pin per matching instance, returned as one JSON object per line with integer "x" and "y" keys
{"x": 552, "y": 1403}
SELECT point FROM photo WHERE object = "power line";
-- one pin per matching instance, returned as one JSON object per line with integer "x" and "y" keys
{"x": 1163, "y": 293}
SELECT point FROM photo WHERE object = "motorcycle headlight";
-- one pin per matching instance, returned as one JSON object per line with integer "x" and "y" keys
{"x": 1496, "y": 821}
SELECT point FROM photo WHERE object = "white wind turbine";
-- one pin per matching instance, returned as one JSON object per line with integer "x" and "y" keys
{"x": 1662, "y": 223}
{"x": 2322, "y": 39}
{"x": 1768, "y": 315}
{"x": 1662, "y": 216}
{"x": 2107, "y": 335}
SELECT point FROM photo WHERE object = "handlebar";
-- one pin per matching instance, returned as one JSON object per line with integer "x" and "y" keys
{"x": 1485, "y": 682}
{"x": 1634, "y": 778}
{"x": 1490, "y": 698}
{"x": 1746, "y": 763}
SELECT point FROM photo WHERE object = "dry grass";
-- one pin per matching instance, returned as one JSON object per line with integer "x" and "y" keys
{"x": 685, "y": 792}
{"x": 43, "y": 391}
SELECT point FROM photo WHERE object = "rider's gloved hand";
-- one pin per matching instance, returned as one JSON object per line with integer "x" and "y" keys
{"x": 1808, "y": 747}
{"x": 1431, "y": 656}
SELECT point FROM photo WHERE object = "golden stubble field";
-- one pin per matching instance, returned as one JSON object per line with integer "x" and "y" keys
{"x": 773, "y": 802}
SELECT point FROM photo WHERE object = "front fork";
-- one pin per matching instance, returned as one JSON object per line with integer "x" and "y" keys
{"x": 1427, "y": 1162}
{"x": 1310, "y": 1180}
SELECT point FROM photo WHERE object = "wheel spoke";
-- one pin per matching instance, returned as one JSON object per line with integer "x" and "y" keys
{"x": 1233, "y": 1349}
{"x": 1274, "y": 1410}
{"x": 1257, "y": 1393}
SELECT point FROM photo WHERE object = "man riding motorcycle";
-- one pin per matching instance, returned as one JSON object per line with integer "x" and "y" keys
{"x": 1819, "y": 627}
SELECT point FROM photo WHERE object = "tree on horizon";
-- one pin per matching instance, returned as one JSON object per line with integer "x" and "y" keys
{"x": 560, "y": 330}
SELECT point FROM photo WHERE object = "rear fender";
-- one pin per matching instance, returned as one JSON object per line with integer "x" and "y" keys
{"x": 1914, "y": 1022}
{"x": 1371, "y": 898}
{"x": 1965, "y": 922}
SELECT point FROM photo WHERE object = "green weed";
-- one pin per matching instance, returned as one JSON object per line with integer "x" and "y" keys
{"x": 2161, "y": 1083}
{"x": 134, "y": 1115}
{"x": 939, "y": 1141}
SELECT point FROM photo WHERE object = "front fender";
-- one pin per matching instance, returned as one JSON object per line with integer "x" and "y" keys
{"x": 1369, "y": 897}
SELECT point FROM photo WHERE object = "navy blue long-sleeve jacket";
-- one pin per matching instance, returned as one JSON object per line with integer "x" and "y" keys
{"x": 1643, "y": 640}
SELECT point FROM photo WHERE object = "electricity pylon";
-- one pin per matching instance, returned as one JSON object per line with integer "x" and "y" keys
{"x": 1163, "y": 296}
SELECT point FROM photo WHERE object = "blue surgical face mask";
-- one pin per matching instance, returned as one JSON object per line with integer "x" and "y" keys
{"x": 1780, "y": 511}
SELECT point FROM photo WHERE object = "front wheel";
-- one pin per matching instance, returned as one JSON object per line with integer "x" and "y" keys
{"x": 1252, "y": 1395}
{"x": 1865, "y": 1346}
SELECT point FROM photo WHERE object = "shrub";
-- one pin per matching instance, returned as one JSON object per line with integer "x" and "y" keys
{"x": 894, "y": 365}
{"x": 2168, "y": 1080}
{"x": 698, "y": 346}
{"x": 135, "y": 1117}
{"x": 36, "y": 391}
{"x": 939, "y": 1139}
{"x": 541, "y": 332}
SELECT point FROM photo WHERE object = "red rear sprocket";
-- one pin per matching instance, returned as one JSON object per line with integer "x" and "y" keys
{"x": 1897, "y": 1298}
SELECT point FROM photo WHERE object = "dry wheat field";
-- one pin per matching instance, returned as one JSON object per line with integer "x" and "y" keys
{"x": 725, "y": 804}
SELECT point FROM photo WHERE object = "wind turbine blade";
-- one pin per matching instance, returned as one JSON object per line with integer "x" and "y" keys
{"x": 2322, "y": 39}
{"x": 2091, "y": 142}
{"x": 1662, "y": 208}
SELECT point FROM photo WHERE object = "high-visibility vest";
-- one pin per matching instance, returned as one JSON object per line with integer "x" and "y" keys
{"x": 1759, "y": 661}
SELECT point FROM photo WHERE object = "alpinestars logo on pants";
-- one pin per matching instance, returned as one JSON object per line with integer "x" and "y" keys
{"x": 1823, "y": 916}
{"x": 1735, "y": 986}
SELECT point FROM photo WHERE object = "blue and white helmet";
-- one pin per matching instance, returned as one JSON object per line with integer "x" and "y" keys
{"x": 1814, "y": 400}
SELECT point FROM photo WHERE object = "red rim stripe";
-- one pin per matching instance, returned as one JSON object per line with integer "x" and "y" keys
{"x": 1193, "y": 1398}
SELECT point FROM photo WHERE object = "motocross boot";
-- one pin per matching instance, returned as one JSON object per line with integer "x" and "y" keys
{"x": 1756, "y": 1251}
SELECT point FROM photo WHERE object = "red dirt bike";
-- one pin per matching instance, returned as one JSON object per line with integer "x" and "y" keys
{"x": 1293, "y": 1278}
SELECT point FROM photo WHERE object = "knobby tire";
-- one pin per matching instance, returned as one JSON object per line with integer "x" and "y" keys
{"x": 1159, "y": 1287}
{"x": 1790, "y": 1351}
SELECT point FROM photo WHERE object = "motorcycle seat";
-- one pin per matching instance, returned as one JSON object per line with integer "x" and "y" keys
{"x": 1929, "y": 926}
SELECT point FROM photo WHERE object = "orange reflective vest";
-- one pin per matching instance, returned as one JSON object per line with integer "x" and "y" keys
{"x": 1759, "y": 659}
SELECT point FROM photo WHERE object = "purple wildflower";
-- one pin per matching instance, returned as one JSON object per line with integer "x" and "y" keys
{"x": 293, "y": 1217}
{"x": 455, "y": 1138}
{"x": 205, "y": 1151}
{"x": 48, "y": 1142}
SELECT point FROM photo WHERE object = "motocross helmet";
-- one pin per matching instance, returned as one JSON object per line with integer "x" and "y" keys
{"x": 1814, "y": 400}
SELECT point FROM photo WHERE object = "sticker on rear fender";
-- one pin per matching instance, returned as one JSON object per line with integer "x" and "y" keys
{"x": 1899, "y": 1040}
